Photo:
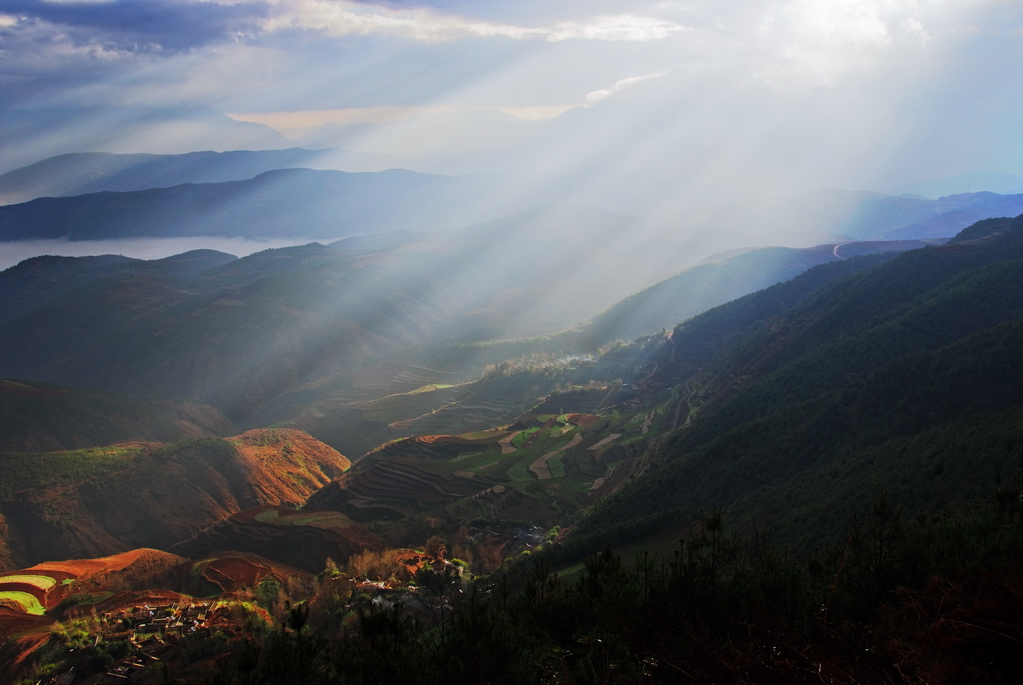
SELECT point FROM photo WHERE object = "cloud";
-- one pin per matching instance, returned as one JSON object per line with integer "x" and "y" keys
{"x": 621, "y": 27}
{"x": 342, "y": 18}
{"x": 912, "y": 27}
{"x": 599, "y": 95}
{"x": 393, "y": 74}
{"x": 172, "y": 25}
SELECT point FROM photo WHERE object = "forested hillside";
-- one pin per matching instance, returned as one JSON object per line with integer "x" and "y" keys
{"x": 856, "y": 385}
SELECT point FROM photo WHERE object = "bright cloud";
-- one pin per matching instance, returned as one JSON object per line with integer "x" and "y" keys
{"x": 598, "y": 95}
{"x": 807, "y": 43}
{"x": 678, "y": 78}
{"x": 623, "y": 27}
{"x": 347, "y": 18}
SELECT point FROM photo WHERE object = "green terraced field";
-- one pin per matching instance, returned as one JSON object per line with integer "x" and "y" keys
{"x": 28, "y": 603}
{"x": 544, "y": 470}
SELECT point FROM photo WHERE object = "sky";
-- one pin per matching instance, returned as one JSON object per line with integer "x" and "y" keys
{"x": 652, "y": 105}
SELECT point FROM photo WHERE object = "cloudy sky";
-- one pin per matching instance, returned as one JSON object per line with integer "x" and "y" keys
{"x": 673, "y": 99}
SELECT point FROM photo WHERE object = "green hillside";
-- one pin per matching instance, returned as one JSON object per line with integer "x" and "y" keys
{"x": 855, "y": 387}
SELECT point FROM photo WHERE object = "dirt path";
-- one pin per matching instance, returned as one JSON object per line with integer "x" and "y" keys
{"x": 646, "y": 424}
{"x": 505, "y": 443}
{"x": 616, "y": 386}
{"x": 598, "y": 445}
{"x": 540, "y": 468}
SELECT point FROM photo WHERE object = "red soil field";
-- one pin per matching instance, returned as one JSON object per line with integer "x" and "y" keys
{"x": 273, "y": 456}
{"x": 231, "y": 573}
{"x": 582, "y": 420}
{"x": 86, "y": 569}
{"x": 249, "y": 515}
{"x": 139, "y": 597}
{"x": 13, "y": 622}
{"x": 27, "y": 588}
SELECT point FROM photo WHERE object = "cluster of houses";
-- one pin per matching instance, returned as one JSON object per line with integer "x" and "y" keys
{"x": 153, "y": 631}
{"x": 165, "y": 620}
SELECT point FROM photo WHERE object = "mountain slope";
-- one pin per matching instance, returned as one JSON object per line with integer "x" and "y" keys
{"x": 36, "y": 417}
{"x": 240, "y": 334}
{"x": 302, "y": 539}
{"x": 715, "y": 281}
{"x": 99, "y": 501}
{"x": 889, "y": 355}
{"x": 40, "y": 281}
{"x": 304, "y": 334}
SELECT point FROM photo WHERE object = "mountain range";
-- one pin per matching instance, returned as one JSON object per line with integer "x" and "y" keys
{"x": 81, "y": 173}
{"x": 264, "y": 194}
{"x": 650, "y": 463}
{"x": 257, "y": 337}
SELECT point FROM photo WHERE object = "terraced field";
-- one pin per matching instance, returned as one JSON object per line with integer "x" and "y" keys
{"x": 475, "y": 410}
{"x": 542, "y": 468}
{"x": 394, "y": 377}
{"x": 394, "y": 400}
{"x": 36, "y": 590}
{"x": 407, "y": 407}
{"x": 34, "y": 593}
{"x": 231, "y": 571}
{"x": 26, "y": 601}
{"x": 301, "y": 539}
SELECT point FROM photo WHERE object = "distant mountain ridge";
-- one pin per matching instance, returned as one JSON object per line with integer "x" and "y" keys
{"x": 280, "y": 203}
{"x": 1005, "y": 184}
{"x": 271, "y": 193}
{"x": 39, "y": 281}
{"x": 839, "y": 214}
{"x": 80, "y": 173}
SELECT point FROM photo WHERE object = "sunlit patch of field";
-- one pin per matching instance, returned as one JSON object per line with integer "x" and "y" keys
{"x": 430, "y": 388}
{"x": 25, "y": 601}
{"x": 44, "y": 583}
{"x": 391, "y": 377}
{"x": 329, "y": 520}
{"x": 471, "y": 411}
{"x": 231, "y": 571}
{"x": 409, "y": 406}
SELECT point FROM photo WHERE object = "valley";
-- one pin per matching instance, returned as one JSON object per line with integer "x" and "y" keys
{"x": 307, "y": 440}
{"x": 421, "y": 342}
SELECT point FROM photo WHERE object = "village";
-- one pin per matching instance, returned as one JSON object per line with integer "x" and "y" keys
{"x": 150, "y": 633}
